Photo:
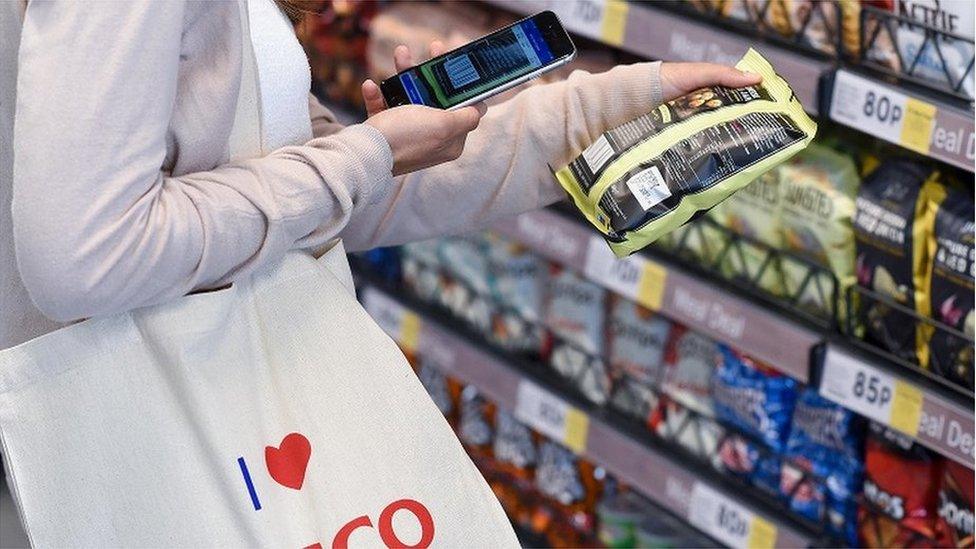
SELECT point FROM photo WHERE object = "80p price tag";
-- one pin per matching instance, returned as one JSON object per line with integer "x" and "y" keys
{"x": 728, "y": 521}
{"x": 634, "y": 277}
{"x": 882, "y": 111}
{"x": 551, "y": 416}
{"x": 871, "y": 392}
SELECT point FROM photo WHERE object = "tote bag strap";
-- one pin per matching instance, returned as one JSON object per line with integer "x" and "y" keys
{"x": 245, "y": 135}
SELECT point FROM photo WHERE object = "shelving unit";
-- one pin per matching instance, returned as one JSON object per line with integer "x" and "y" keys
{"x": 934, "y": 416}
{"x": 669, "y": 290}
{"x": 935, "y": 126}
{"x": 693, "y": 494}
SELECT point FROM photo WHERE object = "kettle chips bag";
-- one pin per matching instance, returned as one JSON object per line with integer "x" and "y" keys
{"x": 646, "y": 178}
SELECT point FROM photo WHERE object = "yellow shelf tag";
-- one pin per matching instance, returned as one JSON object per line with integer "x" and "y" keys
{"x": 577, "y": 427}
{"x": 906, "y": 408}
{"x": 916, "y": 129}
{"x": 614, "y": 23}
{"x": 762, "y": 534}
{"x": 409, "y": 331}
{"x": 650, "y": 290}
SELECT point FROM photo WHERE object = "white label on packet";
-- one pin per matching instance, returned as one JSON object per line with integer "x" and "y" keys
{"x": 598, "y": 154}
{"x": 648, "y": 187}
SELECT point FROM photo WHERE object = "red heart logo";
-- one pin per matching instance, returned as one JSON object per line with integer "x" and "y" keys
{"x": 287, "y": 462}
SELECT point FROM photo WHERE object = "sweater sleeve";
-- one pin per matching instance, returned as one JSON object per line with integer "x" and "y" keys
{"x": 99, "y": 227}
{"x": 505, "y": 166}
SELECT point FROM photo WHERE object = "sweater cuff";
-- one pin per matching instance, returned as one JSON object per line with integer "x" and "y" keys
{"x": 375, "y": 159}
{"x": 657, "y": 94}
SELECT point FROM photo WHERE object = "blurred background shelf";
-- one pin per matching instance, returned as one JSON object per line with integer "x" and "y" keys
{"x": 699, "y": 495}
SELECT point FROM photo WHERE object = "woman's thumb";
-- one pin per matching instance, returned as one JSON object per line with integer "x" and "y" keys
{"x": 468, "y": 118}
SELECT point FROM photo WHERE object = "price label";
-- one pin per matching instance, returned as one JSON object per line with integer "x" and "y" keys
{"x": 396, "y": 320}
{"x": 882, "y": 112}
{"x": 551, "y": 416}
{"x": 728, "y": 521}
{"x": 871, "y": 392}
{"x": 604, "y": 20}
{"x": 634, "y": 277}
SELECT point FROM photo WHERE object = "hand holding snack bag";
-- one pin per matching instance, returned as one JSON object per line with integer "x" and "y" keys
{"x": 644, "y": 179}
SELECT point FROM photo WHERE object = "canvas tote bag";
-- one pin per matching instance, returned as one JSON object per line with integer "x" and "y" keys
{"x": 274, "y": 413}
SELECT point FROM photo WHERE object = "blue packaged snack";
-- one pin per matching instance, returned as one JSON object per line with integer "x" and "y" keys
{"x": 751, "y": 462}
{"x": 822, "y": 426}
{"x": 823, "y": 485}
{"x": 753, "y": 398}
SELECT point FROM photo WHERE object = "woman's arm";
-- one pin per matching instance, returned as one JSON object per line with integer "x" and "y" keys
{"x": 504, "y": 168}
{"x": 98, "y": 226}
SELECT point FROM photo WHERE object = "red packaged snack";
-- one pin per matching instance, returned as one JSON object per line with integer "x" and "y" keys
{"x": 956, "y": 506}
{"x": 901, "y": 484}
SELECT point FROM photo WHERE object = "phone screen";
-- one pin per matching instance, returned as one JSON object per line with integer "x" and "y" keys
{"x": 459, "y": 75}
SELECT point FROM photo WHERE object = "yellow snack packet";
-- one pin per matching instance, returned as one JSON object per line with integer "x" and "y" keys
{"x": 644, "y": 179}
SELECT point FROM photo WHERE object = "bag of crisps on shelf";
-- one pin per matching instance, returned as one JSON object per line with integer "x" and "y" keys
{"x": 644, "y": 179}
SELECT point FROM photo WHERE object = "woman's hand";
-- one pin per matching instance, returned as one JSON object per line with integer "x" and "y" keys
{"x": 678, "y": 79}
{"x": 420, "y": 137}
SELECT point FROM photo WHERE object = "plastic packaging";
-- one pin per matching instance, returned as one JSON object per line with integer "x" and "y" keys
{"x": 891, "y": 229}
{"x": 644, "y": 179}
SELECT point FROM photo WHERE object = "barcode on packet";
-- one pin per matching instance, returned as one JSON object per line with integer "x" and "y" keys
{"x": 648, "y": 187}
{"x": 598, "y": 154}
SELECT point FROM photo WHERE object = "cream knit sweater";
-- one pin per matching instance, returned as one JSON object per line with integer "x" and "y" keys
{"x": 124, "y": 194}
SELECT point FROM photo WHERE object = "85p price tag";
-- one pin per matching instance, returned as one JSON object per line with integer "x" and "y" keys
{"x": 871, "y": 392}
{"x": 728, "y": 521}
{"x": 551, "y": 416}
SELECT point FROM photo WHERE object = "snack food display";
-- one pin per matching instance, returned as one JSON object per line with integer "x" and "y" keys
{"x": 646, "y": 178}
{"x": 753, "y": 397}
{"x": 818, "y": 188}
{"x": 890, "y": 228}
{"x": 901, "y": 491}
{"x": 718, "y": 358}
{"x": 951, "y": 249}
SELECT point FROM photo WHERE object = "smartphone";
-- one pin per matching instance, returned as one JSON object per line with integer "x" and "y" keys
{"x": 488, "y": 66}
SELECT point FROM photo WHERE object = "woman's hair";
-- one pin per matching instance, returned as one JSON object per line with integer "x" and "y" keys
{"x": 297, "y": 9}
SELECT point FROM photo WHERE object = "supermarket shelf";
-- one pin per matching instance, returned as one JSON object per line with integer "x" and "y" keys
{"x": 933, "y": 414}
{"x": 931, "y": 124}
{"x": 685, "y": 298}
{"x": 718, "y": 511}
{"x": 921, "y": 410}
{"x": 657, "y": 34}
{"x": 939, "y": 128}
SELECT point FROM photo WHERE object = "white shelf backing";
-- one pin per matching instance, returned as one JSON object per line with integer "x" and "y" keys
{"x": 932, "y": 420}
{"x": 656, "y": 475}
{"x": 770, "y": 337}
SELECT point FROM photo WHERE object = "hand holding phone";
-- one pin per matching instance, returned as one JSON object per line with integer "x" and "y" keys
{"x": 485, "y": 67}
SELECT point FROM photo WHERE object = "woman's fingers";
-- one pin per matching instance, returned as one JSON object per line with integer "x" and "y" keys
{"x": 436, "y": 48}
{"x": 402, "y": 58}
{"x": 680, "y": 78}
{"x": 731, "y": 77}
{"x": 373, "y": 98}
